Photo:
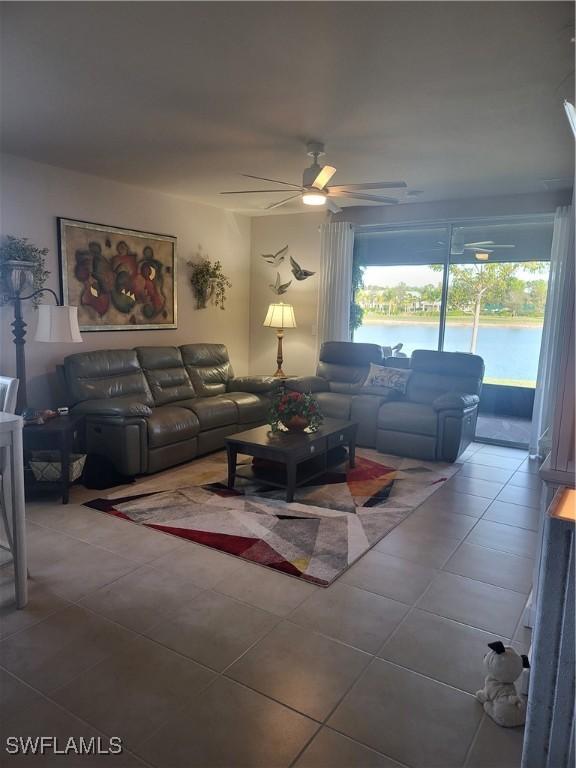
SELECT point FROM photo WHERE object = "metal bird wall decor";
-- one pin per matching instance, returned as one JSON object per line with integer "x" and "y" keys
{"x": 275, "y": 259}
{"x": 298, "y": 272}
{"x": 279, "y": 288}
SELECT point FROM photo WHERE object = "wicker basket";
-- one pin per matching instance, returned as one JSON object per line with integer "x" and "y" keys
{"x": 47, "y": 468}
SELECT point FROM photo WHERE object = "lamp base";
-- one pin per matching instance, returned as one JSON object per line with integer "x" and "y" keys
{"x": 279, "y": 358}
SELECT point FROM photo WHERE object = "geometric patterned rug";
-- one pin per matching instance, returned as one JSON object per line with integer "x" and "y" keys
{"x": 332, "y": 521}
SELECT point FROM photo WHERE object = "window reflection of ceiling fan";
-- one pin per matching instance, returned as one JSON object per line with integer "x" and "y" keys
{"x": 482, "y": 246}
{"x": 314, "y": 189}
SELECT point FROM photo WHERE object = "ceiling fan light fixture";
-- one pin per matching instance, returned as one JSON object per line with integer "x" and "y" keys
{"x": 315, "y": 197}
{"x": 482, "y": 256}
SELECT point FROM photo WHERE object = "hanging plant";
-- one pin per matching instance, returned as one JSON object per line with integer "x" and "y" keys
{"x": 22, "y": 266}
{"x": 208, "y": 283}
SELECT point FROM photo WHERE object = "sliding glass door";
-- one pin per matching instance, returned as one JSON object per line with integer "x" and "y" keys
{"x": 401, "y": 297}
{"x": 469, "y": 286}
{"x": 498, "y": 280}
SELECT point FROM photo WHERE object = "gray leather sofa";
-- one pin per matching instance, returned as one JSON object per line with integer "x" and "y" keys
{"x": 434, "y": 420}
{"x": 150, "y": 408}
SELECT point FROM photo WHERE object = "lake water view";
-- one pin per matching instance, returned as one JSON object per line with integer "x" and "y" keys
{"x": 510, "y": 352}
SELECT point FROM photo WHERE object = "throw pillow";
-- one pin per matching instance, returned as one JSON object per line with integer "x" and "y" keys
{"x": 391, "y": 378}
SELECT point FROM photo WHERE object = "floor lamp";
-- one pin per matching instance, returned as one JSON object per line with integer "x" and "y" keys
{"x": 280, "y": 316}
{"x": 56, "y": 324}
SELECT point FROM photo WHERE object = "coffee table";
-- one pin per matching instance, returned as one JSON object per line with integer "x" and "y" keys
{"x": 303, "y": 455}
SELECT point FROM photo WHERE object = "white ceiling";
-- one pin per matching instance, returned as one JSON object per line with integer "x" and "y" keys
{"x": 458, "y": 98}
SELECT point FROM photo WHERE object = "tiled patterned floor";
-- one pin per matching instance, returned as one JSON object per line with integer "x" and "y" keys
{"x": 198, "y": 659}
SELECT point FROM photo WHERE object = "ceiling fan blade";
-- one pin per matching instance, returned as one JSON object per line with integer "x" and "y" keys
{"x": 488, "y": 246}
{"x": 253, "y": 191}
{"x": 286, "y": 200}
{"x": 324, "y": 176}
{"x": 372, "y": 198}
{"x": 371, "y": 185}
{"x": 276, "y": 181}
{"x": 481, "y": 242}
{"x": 332, "y": 207}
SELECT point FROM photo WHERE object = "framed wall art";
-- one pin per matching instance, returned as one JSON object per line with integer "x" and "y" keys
{"x": 120, "y": 279}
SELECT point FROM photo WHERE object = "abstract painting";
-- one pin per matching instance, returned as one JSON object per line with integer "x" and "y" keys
{"x": 120, "y": 279}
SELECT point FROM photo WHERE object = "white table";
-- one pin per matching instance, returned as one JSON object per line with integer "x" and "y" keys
{"x": 11, "y": 439}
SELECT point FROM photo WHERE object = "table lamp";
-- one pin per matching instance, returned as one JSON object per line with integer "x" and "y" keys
{"x": 280, "y": 316}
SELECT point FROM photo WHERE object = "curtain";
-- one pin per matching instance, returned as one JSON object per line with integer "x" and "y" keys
{"x": 335, "y": 293}
{"x": 554, "y": 331}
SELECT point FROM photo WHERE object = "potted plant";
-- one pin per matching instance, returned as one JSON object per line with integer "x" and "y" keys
{"x": 208, "y": 282}
{"x": 294, "y": 411}
{"x": 22, "y": 267}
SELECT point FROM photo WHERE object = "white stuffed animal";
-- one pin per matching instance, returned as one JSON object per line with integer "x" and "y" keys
{"x": 499, "y": 696}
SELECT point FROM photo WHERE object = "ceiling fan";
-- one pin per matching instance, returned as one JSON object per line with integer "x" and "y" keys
{"x": 314, "y": 189}
{"x": 481, "y": 249}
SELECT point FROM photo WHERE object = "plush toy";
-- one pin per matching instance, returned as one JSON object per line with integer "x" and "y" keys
{"x": 499, "y": 697}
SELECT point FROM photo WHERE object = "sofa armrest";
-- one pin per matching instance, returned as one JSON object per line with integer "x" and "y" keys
{"x": 112, "y": 407}
{"x": 307, "y": 384}
{"x": 257, "y": 385}
{"x": 455, "y": 401}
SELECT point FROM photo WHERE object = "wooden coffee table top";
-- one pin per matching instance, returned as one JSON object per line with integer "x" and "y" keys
{"x": 282, "y": 441}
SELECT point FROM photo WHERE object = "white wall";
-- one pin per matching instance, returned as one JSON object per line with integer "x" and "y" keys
{"x": 33, "y": 195}
{"x": 300, "y": 232}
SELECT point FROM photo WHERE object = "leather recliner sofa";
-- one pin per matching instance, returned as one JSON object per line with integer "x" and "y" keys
{"x": 150, "y": 408}
{"x": 434, "y": 420}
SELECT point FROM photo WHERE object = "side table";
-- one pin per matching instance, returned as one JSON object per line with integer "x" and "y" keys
{"x": 57, "y": 434}
{"x": 13, "y": 497}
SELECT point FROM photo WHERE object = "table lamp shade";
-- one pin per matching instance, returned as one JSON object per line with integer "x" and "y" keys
{"x": 57, "y": 324}
{"x": 280, "y": 316}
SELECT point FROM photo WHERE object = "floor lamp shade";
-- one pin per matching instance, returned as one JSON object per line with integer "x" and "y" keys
{"x": 280, "y": 316}
{"x": 57, "y": 324}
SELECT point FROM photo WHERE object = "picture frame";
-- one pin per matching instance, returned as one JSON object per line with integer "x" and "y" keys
{"x": 120, "y": 279}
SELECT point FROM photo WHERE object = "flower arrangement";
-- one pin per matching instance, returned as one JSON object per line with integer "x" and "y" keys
{"x": 208, "y": 282}
{"x": 295, "y": 411}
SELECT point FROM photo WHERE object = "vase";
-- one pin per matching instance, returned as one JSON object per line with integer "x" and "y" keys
{"x": 296, "y": 423}
{"x": 204, "y": 294}
{"x": 19, "y": 275}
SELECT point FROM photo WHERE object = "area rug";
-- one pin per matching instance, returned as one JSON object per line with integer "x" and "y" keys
{"x": 330, "y": 524}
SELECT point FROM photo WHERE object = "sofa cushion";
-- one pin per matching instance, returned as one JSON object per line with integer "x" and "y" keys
{"x": 401, "y": 416}
{"x": 170, "y": 424}
{"x": 334, "y": 405}
{"x": 389, "y": 378}
{"x": 448, "y": 363}
{"x": 257, "y": 385}
{"x": 106, "y": 373}
{"x": 345, "y": 379}
{"x": 251, "y": 408}
{"x": 165, "y": 374}
{"x": 208, "y": 366}
{"x": 435, "y": 373}
{"x": 212, "y": 412}
{"x": 350, "y": 353}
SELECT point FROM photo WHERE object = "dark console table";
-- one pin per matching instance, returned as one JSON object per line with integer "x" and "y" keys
{"x": 302, "y": 455}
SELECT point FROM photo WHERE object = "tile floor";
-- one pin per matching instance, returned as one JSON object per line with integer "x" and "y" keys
{"x": 198, "y": 659}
